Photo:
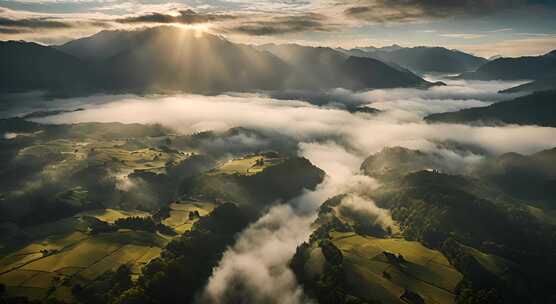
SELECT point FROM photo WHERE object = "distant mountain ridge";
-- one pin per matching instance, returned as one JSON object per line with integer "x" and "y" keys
{"x": 521, "y": 68}
{"x": 323, "y": 65}
{"x": 544, "y": 84}
{"x": 169, "y": 59}
{"x": 423, "y": 59}
{"x": 535, "y": 109}
{"x": 27, "y": 66}
{"x": 103, "y": 44}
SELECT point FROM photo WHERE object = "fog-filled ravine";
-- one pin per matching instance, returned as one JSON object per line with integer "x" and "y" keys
{"x": 280, "y": 196}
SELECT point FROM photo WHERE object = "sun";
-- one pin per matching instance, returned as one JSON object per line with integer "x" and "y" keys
{"x": 198, "y": 28}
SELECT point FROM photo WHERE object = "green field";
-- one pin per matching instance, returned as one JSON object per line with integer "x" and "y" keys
{"x": 111, "y": 215}
{"x": 179, "y": 214}
{"x": 546, "y": 215}
{"x": 371, "y": 275}
{"x": 120, "y": 156}
{"x": 40, "y": 269}
{"x": 494, "y": 264}
{"x": 247, "y": 165}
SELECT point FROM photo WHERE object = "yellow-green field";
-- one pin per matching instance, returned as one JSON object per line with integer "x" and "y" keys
{"x": 494, "y": 264}
{"x": 371, "y": 275}
{"x": 147, "y": 159}
{"x": 111, "y": 215}
{"x": 44, "y": 265}
{"x": 246, "y": 166}
{"x": 545, "y": 215}
{"x": 179, "y": 214}
{"x": 117, "y": 155}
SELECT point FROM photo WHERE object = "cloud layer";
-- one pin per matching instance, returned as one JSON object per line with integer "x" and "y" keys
{"x": 188, "y": 16}
{"x": 399, "y": 123}
{"x": 407, "y": 11}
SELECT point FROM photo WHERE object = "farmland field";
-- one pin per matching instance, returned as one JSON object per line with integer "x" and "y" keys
{"x": 179, "y": 214}
{"x": 248, "y": 165}
{"x": 117, "y": 155}
{"x": 52, "y": 264}
{"x": 372, "y": 275}
{"x": 111, "y": 215}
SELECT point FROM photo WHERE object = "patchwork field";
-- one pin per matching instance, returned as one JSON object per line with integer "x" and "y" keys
{"x": 179, "y": 214}
{"x": 118, "y": 155}
{"x": 372, "y": 274}
{"x": 48, "y": 267}
{"x": 111, "y": 215}
{"x": 248, "y": 165}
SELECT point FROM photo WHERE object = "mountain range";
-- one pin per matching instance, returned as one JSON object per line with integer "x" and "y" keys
{"x": 544, "y": 84}
{"x": 163, "y": 59}
{"x": 26, "y": 66}
{"x": 480, "y": 227}
{"x": 535, "y": 109}
{"x": 334, "y": 67}
{"x": 521, "y": 68}
{"x": 170, "y": 59}
{"x": 422, "y": 59}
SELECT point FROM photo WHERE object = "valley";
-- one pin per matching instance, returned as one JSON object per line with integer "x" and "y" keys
{"x": 286, "y": 152}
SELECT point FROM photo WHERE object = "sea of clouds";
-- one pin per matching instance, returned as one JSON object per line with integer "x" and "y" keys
{"x": 256, "y": 268}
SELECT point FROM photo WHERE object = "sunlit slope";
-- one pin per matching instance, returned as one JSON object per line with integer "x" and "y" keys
{"x": 52, "y": 172}
{"x": 480, "y": 217}
{"x": 182, "y": 215}
{"x": 170, "y": 58}
{"x": 355, "y": 254}
{"x": 371, "y": 274}
{"x": 166, "y": 58}
{"x": 257, "y": 179}
{"x": 51, "y": 266}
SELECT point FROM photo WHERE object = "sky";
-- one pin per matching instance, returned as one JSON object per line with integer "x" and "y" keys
{"x": 482, "y": 27}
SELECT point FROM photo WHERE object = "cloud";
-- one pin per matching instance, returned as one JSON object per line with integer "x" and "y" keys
{"x": 256, "y": 269}
{"x": 463, "y": 35}
{"x": 18, "y": 26}
{"x": 399, "y": 124}
{"x": 409, "y": 11}
{"x": 187, "y": 16}
{"x": 252, "y": 24}
{"x": 33, "y": 23}
{"x": 502, "y": 30}
{"x": 11, "y": 31}
{"x": 533, "y": 45}
{"x": 43, "y": 27}
{"x": 366, "y": 208}
{"x": 284, "y": 25}
{"x": 381, "y": 13}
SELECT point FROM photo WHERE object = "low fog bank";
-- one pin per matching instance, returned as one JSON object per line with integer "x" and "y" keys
{"x": 461, "y": 93}
{"x": 353, "y": 204}
{"x": 255, "y": 269}
{"x": 399, "y": 125}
